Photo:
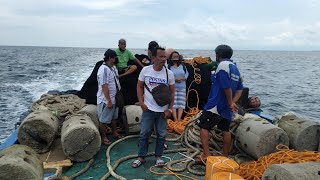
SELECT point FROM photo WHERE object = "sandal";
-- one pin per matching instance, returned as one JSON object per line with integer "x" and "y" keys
{"x": 159, "y": 163}
{"x": 136, "y": 163}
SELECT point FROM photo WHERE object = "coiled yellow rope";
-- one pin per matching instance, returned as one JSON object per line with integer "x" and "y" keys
{"x": 199, "y": 60}
{"x": 254, "y": 170}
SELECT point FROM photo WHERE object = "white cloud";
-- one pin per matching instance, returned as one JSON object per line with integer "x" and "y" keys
{"x": 214, "y": 29}
{"x": 111, "y": 4}
{"x": 290, "y": 33}
{"x": 279, "y": 38}
{"x": 79, "y": 22}
{"x": 60, "y": 21}
{"x": 313, "y": 3}
{"x": 4, "y": 12}
{"x": 102, "y": 5}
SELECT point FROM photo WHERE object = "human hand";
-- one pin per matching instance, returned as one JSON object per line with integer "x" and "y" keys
{"x": 109, "y": 104}
{"x": 233, "y": 107}
{"x": 178, "y": 80}
{"x": 144, "y": 107}
{"x": 167, "y": 114}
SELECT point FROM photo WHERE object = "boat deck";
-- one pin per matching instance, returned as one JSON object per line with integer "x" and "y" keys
{"x": 127, "y": 147}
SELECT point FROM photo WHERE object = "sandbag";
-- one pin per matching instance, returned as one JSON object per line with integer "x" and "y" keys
{"x": 62, "y": 105}
{"x": 92, "y": 112}
{"x": 38, "y": 130}
{"x": 295, "y": 171}
{"x": 257, "y": 137}
{"x": 20, "y": 162}
{"x": 80, "y": 138}
{"x": 131, "y": 116}
{"x": 303, "y": 134}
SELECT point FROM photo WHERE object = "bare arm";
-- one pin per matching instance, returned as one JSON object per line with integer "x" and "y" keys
{"x": 138, "y": 62}
{"x": 232, "y": 105}
{"x": 140, "y": 92}
{"x": 237, "y": 96}
{"x": 105, "y": 90}
{"x": 183, "y": 79}
{"x": 172, "y": 90}
{"x": 167, "y": 113}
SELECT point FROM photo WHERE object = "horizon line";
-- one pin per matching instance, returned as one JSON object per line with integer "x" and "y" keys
{"x": 146, "y": 48}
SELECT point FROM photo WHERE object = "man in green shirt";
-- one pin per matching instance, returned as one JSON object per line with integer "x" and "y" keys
{"x": 124, "y": 55}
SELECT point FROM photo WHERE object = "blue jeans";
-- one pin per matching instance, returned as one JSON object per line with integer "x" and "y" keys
{"x": 149, "y": 120}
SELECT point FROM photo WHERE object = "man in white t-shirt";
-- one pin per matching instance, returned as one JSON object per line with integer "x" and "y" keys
{"x": 153, "y": 115}
{"x": 108, "y": 82}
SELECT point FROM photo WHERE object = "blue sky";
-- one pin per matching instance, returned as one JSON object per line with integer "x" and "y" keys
{"x": 181, "y": 24}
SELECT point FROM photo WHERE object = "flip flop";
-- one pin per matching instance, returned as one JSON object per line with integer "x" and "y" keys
{"x": 136, "y": 163}
{"x": 159, "y": 163}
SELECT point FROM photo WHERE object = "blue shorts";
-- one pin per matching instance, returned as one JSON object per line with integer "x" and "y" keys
{"x": 105, "y": 114}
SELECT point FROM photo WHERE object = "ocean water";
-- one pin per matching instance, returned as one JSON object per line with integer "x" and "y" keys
{"x": 285, "y": 81}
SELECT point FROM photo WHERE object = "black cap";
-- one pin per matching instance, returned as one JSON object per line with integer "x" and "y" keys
{"x": 110, "y": 53}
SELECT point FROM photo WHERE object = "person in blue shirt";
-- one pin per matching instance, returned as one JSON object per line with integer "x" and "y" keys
{"x": 225, "y": 91}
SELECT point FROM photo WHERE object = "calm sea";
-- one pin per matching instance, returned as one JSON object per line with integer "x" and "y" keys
{"x": 285, "y": 81}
